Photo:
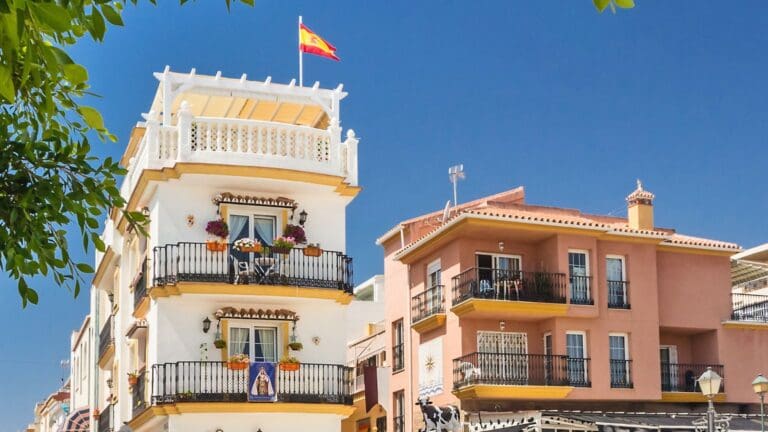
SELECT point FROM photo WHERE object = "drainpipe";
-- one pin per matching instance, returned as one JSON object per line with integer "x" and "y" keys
{"x": 409, "y": 399}
{"x": 95, "y": 350}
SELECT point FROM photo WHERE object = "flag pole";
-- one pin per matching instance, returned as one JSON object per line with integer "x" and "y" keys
{"x": 301, "y": 58}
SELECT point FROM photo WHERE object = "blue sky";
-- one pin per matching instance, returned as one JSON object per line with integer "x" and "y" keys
{"x": 550, "y": 95}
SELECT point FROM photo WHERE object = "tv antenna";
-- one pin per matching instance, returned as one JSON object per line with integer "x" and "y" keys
{"x": 446, "y": 211}
{"x": 456, "y": 173}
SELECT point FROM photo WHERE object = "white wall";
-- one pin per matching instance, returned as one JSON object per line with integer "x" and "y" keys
{"x": 252, "y": 422}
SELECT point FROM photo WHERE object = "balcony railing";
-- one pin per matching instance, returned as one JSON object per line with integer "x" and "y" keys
{"x": 199, "y": 381}
{"x": 194, "y": 262}
{"x": 621, "y": 373}
{"x": 581, "y": 290}
{"x": 104, "y": 424}
{"x": 618, "y": 294}
{"x": 520, "y": 369}
{"x": 106, "y": 337}
{"x": 398, "y": 357}
{"x": 138, "y": 394}
{"x": 398, "y": 423}
{"x": 140, "y": 286}
{"x": 427, "y": 303}
{"x": 679, "y": 377}
{"x": 749, "y": 307}
{"x": 509, "y": 285}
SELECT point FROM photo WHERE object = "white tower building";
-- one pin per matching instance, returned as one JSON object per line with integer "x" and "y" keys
{"x": 175, "y": 309}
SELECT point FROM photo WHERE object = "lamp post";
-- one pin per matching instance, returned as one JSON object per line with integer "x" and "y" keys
{"x": 709, "y": 383}
{"x": 760, "y": 385}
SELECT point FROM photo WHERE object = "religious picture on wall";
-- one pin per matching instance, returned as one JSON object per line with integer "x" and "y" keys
{"x": 261, "y": 382}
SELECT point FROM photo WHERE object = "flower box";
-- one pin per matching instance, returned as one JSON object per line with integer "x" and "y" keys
{"x": 257, "y": 249}
{"x": 290, "y": 367}
{"x": 281, "y": 250}
{"x": 215, "y": 246}
{"x": 312, "y": 251}
{"x": 237, "y": 365}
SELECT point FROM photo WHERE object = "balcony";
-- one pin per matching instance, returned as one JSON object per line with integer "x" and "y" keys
{"x": 581, "y": 290}
{"x": 518, "y": 376}
{"x": 104, "y": 423}
{"x": 198, "y": 381}
{"x": 140, "y": 299}
{"x": 106, "y": 343}
{"x": 749, "y": 308}
{"x": 509, "y": 294}
{"x": 618, "y": 294}
{"x": 138, "y": 394}
{"x": 428, "y": 309}
{"x": 621, "y": 374}
{"x": 193, "y": 262}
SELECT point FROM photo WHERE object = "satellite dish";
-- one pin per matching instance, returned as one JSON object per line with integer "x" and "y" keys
{"x": 446, "y": 210}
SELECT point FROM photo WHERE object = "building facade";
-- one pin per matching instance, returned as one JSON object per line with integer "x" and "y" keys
{"x": 500, "y": 306}
{"x": 217, "y": 314}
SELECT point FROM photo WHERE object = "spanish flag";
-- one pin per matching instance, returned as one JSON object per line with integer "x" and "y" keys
{"x": 311, "y": 43}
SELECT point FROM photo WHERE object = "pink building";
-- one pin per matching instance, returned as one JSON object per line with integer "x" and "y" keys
{"x": 506, "y": 306}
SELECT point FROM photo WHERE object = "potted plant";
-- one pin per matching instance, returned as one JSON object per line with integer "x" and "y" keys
{"x": 313, "y": 250}
{"x": 96, "y": 414}
{"x": 283, "y": 245}
{"x": 238, "y": 362}
{"x": 133, "y": 378}
{"x": 296, "y": 232}
{"x": 218, "y": 230}
{"x": 247, "y": 245}
{"x": 220, "y": 343}
{"x": 289, "y": 363}
{"x": 295, "y": 346}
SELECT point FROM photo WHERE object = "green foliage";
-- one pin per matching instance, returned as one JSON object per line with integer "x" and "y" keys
{"x": 47, "y": 178}
{"x": 600, "y": 5}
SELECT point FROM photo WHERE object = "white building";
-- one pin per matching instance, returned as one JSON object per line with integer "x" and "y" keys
{"x": 749, "y": 275}
{"x": 260, "y": 156}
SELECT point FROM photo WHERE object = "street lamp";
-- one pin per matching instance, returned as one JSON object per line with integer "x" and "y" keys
{"x": 760, "y": 385}
{"x": 709, "y": 383}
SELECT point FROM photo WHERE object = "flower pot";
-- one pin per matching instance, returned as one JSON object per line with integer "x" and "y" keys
{"x": 219, "y": 343}
{"x": 290, "y": 367}
{"x": 215, "y": 246}
{"x": 312, "y": 251}
{"x": 237, "y": 365}
{"x": 281, "y": 250}
{"x": 256, "y": 249}
{"x": 133, "y": 380}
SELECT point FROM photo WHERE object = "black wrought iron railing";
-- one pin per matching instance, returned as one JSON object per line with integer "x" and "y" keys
{"x": 398, "y": 423}
{"x": 398, "y": 357}
{"x": 520, "y": 369}
{"x": 106, "y": 338}
{"x": 199, "y": 381}
{"x": 510, "y": 285}
{"x": 104, "y": 424}
{"x": 681, "y": 377}
{"x": 621, "y": 373}
{"x": 749, "y": 307}
{"x": 618, "y": 294}
{"x": 140, "y": 286}
{"x": 194, "y": 262}
{"x": 581, "y": 289}
{"x": 138, "y": 394}
{"x": 427, "y": 303}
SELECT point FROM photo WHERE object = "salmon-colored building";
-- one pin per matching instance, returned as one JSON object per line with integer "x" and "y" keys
{"x": 502, "y": 306}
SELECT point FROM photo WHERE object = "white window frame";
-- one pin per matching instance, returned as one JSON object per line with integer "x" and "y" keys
{"x": 432, "y": 268}
{"x": 251, "y": 211}
{"x": 623, "y": 260}
{"x": 626, "y": 345}
{"x": 251, "y": 326}
{"x": 672, "y": 352}
{"x": 586, "y": 269}
{"x": 583, "y": 335}
{"x": 495, "y": 256}
{"x": 544, "y": 341}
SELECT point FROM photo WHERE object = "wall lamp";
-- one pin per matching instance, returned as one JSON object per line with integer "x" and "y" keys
{"x": 302, "y": 217}
{"x": 206, "y": 324}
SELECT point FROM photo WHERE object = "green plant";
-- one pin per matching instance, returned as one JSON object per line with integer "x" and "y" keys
{"x": 220, "y": 343}
{"x": 288, "y": 359}
{"x": 296, "y": 346}
{"x": 284, "y": 243}
{"x": 239, "y": 358}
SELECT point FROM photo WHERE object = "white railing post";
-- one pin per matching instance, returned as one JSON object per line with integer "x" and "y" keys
{"x": 152, "y": 137}
{"x": 185, "y": 131}
{"x": 351, "y": 168}
{"x": 334, "y": 130}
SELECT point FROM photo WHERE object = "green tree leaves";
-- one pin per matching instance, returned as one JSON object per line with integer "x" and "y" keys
{"x": 600, "y": 5}
{"x": 48, "y": 180}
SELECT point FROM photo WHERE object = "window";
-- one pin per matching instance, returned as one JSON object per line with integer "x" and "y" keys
{"x": 381, "y": 424}
{"x": 619, "y": 360}
{"x": 578, "y": 272}
{"x": 433, "y": 274}
{"x": 257, "y": 226}
{"x": 576, "y": 350}
{"x": 363, "y": 425}
{"x": 670, "y": 378}
{"x": 398, "y": 419}
{"x": 259, "y": 343}
{"x": 434, "y": 297}
{"x": 398, "y": 354}
{"x": 495, "y": 273}
{"x": 616, "y": 279}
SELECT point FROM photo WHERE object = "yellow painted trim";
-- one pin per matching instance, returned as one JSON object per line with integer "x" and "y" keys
{"x": 696, "y": 251}
{"x": 429, "y": 323}
{"x": 483, "y": 391}
{"x": 743, "y": 325}
{"x": 284, "y": 335}
{"x": 141, "y": 310}
{"x": 509, "y": 307}
{"x": 681, "y": 397}
{"x": 102, "y": 269}
{"x": 225, "y": 336}
{"x": 107, "y": 356}
{"x": 630, "y": 239}
{"x": 248, "y": 407}
{"x": 144, "y": 417}
{"x": 224, "y": 212}
{"x": 336, "y": 295}
{"x": 137, "y": 133}
{"x": 285, "y": 220}
{"x": 341, "y": 187}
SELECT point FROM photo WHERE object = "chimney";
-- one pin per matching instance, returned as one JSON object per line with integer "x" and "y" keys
{"x": 640, "y": 208}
